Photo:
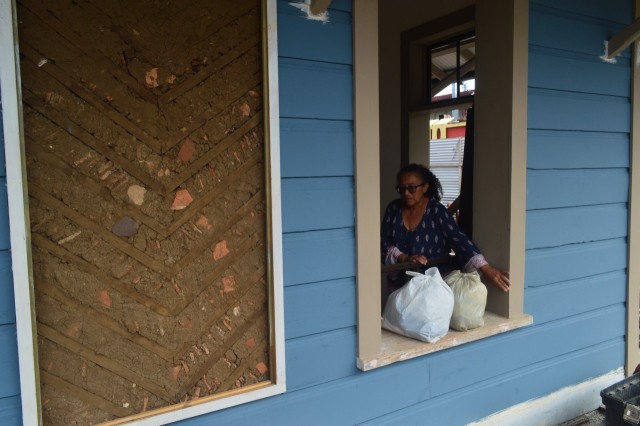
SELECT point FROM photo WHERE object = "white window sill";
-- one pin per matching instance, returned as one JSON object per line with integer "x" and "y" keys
{"x": 395, "y": 348}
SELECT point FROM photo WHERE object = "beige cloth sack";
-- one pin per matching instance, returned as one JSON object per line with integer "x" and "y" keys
{"x": 470, "y": 300}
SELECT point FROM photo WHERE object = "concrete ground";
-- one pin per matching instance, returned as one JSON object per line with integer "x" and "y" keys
{"x": 594, "y": 418}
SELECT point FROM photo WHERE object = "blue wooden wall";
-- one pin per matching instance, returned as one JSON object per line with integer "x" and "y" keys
{"x": 577, "y": 183}
{"x": 578, "y": 163}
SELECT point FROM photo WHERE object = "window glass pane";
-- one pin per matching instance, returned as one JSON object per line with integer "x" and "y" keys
{"x": 452, "y": 66}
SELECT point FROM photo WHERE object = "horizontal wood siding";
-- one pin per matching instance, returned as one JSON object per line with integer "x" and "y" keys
{"x": 316, "y": 307}
{"x": 578, "y": 147}
{"x": 10, "y": 407}
{"x": 484, "y": 360}
{"x": 503, "y": 391}
{"x": 547, "y": 150}
{"x": 548, "y": 109}
{"x": 312, "y": 202}
{"x": 577, "y": 182}
{"x": 328, "y": 142}
{"x": 576, "y": 225}
{"x": 576, "y": 296}
{"x": 316, "y": 110}
{"x": 318, "y": 256}
{"x": 563, "y": 188}
{"x": 556, "y": 264}
{"x": 578, "y": 158}
{"x": 11, "y": 410}
{"x": 577, "y": 27}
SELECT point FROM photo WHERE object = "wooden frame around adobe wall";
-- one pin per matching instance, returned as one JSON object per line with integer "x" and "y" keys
{"x": 21, "y": 244}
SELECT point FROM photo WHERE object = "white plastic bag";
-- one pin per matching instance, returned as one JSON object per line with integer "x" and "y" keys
{"x": 470, "y": 297}
{"x": 421, "y": 309}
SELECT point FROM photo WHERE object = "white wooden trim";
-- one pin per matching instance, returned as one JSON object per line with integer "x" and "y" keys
{"x": 21, "y": 247}
{"x": 273, "y": 99}
{"x": 367, "y": 173}
{"x": 555, "y": 408}
{"x": 633, "y": 269}
{"x": 18, "y": 214}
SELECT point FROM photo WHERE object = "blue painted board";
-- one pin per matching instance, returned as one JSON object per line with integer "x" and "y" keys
{"x": 319, "y": 307}
{"x": 567, "y": 31}
{"x": 550, "y": 149}
{"x": 316, "y": 90}
{"x": 343, "y": 5}
{"x": 556, "y": 69}
{"x": 7, "y": 304}
{"x": 620, "y": 11}
{"x": 473, "y": 363}
{"x": 577, "y": 187}
{"x": 5, "y": 240}
{"x": 317, "y": 203}
{"x": 476, "y": 403}
{"x": 299, "y": 37}
{"x": 318, "y": 256}
{"x": 321, "y": 358}
{"x": 10, "y": 383}
{"x": 11, "y": 411}
{"x": 551, "y": 109}
{"x": 347, "y": 401}
{"x": 3, "y": 169}
{"x": 557, "y": 301}
{"x": 314, "y": 148}
{"x": 547, "y": 266}
{"x": 557, "y": 227}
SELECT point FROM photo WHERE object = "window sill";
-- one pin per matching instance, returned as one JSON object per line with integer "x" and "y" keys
{"x": 395, "y": 348}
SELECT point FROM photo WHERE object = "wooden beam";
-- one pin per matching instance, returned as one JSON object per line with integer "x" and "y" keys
{"x": 466, "y": 54}
{"x": 623, "y": 39}
{"x": 451, "y": 77}
{"x": 319, "y": 6}
{"x": 438, "y": 72}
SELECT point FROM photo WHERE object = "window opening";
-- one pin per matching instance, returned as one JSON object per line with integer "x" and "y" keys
{"x": 449, "y": 70}
{"x": 377, "y": 347}
{"x": 446, "y": 150}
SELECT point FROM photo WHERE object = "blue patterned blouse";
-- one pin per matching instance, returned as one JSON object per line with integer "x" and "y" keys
{"x": 435, "y": 236}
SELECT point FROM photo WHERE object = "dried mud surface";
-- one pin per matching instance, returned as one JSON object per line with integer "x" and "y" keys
{"x": 145, "y": 162}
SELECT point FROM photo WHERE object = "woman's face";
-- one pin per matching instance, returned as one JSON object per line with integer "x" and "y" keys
{"x": 408, "y": 181}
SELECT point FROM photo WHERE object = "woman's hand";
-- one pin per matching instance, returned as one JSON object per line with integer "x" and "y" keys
{"x": 416, "y": 258}
{"x": 499, "y": 278}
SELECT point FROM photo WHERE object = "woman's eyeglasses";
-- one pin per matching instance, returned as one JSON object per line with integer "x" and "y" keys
{"x": 411, "y": 188}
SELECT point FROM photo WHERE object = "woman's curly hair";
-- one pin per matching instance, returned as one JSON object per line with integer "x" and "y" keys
{"x": 435, "y": 188}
